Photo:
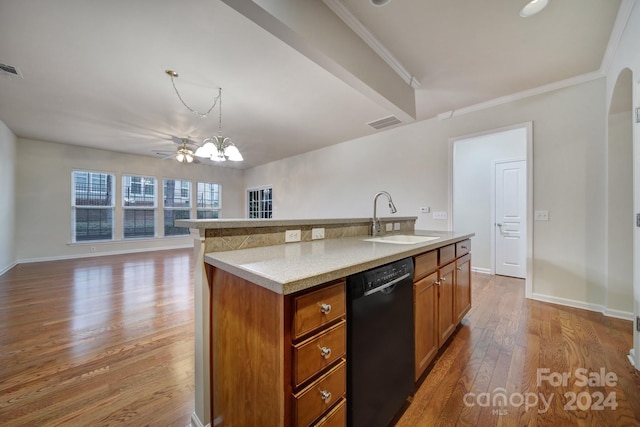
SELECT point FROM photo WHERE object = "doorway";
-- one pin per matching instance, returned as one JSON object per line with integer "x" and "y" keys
{"x": 475, "y": 159}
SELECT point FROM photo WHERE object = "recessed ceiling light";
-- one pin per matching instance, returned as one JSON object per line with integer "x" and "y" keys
{"x": 379, "y": 2}
{"x": 533, "y": 7}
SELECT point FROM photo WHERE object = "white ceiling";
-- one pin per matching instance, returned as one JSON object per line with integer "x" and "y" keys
{"x": 94, "y": 72}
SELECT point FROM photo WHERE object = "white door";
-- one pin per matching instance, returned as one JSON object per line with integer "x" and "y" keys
{"x": 511, "y": 218}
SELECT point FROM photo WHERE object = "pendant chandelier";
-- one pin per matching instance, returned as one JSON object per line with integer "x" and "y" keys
{"x": 217, "y": 148}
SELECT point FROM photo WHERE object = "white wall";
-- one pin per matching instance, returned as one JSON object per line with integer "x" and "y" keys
{"x": 43, "y": 196}
{"x": 473, "y": 184}
{"x": 412, "y": 163}
{"x": 627, "y": 56}
{"x": 7, "y": 198}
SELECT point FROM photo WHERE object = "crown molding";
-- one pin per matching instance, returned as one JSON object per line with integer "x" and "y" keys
{"x": 583, "y": 78}
{"x": 624, "y": 13}
{"x": 341, "y": 10}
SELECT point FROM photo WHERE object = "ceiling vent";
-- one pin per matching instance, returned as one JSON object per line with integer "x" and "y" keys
{"x": 385, "y": 122}
{"x": 9, "y": 70}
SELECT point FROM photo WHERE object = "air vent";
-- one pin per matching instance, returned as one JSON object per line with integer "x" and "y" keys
{"x": 9, "y": 70}
{"x": 385, "y": 122}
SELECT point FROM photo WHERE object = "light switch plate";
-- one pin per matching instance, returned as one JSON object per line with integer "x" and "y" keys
{"x": 396, "y": 226}
{"x": 440, "y": 215}
{"x": 317, "y": 233}
{"x": 541, "y": 215}
{"x": 388, "y": 226}
{"x": 425, "y": 209}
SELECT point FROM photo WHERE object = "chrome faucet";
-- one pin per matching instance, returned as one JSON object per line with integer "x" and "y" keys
{"x": 375, "y": 228}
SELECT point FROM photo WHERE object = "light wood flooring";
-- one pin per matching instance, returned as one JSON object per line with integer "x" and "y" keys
{"x": 109, "y": 341}
{"x": 98, "y": 341}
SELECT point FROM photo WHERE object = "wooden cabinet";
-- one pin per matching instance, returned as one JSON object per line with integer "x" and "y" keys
{"x": 463, "y": 287}
{"x": 425, "y": 309}
{"x": 442, "y": 297}
{"x": 446, "y": 319}
{"x": 319, "y": 348}
{"x": 277, "y": 360}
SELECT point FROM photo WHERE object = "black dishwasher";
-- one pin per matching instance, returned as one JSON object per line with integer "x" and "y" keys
{"x": 380, "y": 343}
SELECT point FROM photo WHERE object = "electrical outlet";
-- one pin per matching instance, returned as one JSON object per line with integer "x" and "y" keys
{"x": 292, "y": 236}
{"x": 541, "y": 215}
{"x": 388, "y": 226}
{"x": 440, "y": 215}
{"x": 396, "y": 226}
{"x": 317, "y": 233}
{"x": 425, "y": 209}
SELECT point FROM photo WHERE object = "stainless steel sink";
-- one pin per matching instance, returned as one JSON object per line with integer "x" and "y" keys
{"x": 401, "y": 239}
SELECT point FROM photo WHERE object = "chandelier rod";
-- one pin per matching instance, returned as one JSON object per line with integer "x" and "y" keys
{"x": 173, "y": 74}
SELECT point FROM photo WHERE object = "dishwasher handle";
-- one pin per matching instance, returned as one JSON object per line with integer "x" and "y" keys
{"x": 386, "y": 285}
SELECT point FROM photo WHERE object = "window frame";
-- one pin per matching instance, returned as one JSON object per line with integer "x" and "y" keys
{"x": 129, "y": 208}
{"x": 215, "y": 210}
{"x": 75, "y": 206}
{"x": 261, "y": 213}
{"x": 189, "y": 197}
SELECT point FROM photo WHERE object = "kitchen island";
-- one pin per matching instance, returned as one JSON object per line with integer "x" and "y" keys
{"x": 276, "y": 318}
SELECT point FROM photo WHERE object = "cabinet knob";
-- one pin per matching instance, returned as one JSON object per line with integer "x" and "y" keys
{"x": 325, "y": 352}
{"x": 437, "y": 283}
{"x": 463, "y": 247}
{"x": 325, "y": 308}
{"x": 325, "y": 395}
{"x": 444, "y": 279}
{"x": 459, "y": 268}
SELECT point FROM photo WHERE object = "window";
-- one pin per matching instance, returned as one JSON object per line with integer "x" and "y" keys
{"x": 93, "y": 206}
{"x": 260, "y": 202}
{"x": 139, "y": 206}
{"x": 208, "y": 198}
{"x": 177, "y": 205}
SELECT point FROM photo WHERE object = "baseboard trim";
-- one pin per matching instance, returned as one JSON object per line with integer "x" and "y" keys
{"x": 583, "y": 305}
{"x": 98, "y": 254}
{"x": 7, "y": 268}
{"x": 195, "y": 421}
{"x": 481, "y": 270}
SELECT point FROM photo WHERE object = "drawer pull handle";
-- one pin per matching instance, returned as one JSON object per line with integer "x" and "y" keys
{"x": 325, "y": 395}
{"x": 444, "y": 279}
{"x": 325, "y": 308}
{"x": 459, "y": 268}
{"x": 325, "y": 352}
{"x": 437, "y": 283}
{"x": 463, "y": 247}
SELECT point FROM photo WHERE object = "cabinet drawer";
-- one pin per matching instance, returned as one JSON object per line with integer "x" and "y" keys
{"x": 447, "y": 254}
{"x": 337, "y": 417}
{"x": 319, "y": 396}
{"x": 318, "y": 352}
{"x": 318, "y": 308}
{"x": 463, "y": 247}
{"x": 425, "y": 263}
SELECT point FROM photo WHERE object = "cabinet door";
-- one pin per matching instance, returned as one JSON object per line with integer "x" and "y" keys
{"x": 463, "y": 286}
{"x": 425, "y": 303}
{"x": 447, "y": 320}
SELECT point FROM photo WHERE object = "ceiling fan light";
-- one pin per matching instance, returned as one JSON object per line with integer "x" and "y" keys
{"x": 188, "y": 157}
{"x": 533, "y": 7}
{"x": 180, "y": 157}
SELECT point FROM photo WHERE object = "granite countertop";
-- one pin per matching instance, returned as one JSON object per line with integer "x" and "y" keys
{"x": 293, "y": 267}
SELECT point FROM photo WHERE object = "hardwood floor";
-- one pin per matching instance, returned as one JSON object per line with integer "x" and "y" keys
{"x": 98, "y": 341}
{"x": 498, "y": 350}
{"x": 109, "y": 341}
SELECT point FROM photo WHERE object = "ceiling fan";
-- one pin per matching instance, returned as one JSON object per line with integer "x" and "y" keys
{"x": 184, "y": 152}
